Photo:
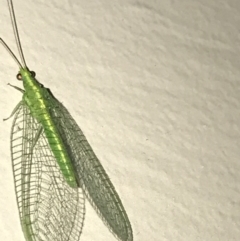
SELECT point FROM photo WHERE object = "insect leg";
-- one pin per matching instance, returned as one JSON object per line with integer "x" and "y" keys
{"x": 14, "y": 111}
{"x": 39, "y": 132}
{"x": 17, "y": 88}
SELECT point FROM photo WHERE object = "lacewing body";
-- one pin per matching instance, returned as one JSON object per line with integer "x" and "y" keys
{"x": 55, "y": 168}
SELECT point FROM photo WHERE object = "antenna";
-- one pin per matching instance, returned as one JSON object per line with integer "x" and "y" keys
{"x": 10, "y": 51}
{"x": 16, "y": 35}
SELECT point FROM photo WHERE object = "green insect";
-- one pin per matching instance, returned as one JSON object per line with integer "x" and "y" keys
{"x": 55, "y": 168}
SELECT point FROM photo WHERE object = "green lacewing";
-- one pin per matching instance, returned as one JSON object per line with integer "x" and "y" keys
{"x": 54, "y": 167}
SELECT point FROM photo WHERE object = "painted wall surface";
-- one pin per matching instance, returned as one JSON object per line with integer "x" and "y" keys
{"x": 155, "y": 87}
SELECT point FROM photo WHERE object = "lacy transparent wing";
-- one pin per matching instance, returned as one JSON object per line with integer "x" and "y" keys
{"x": 49, "y": 208}
{"x": 92, "y": 177}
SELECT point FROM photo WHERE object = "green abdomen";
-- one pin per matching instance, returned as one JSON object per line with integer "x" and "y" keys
{"x": 39, "y": 102}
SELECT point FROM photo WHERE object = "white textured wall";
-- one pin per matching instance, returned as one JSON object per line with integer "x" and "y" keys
{"x": 155, "y": 86}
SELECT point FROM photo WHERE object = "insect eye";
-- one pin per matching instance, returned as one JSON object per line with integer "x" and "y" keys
{"x": 19, "y": 76}
{"x": 33, "y": 74}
